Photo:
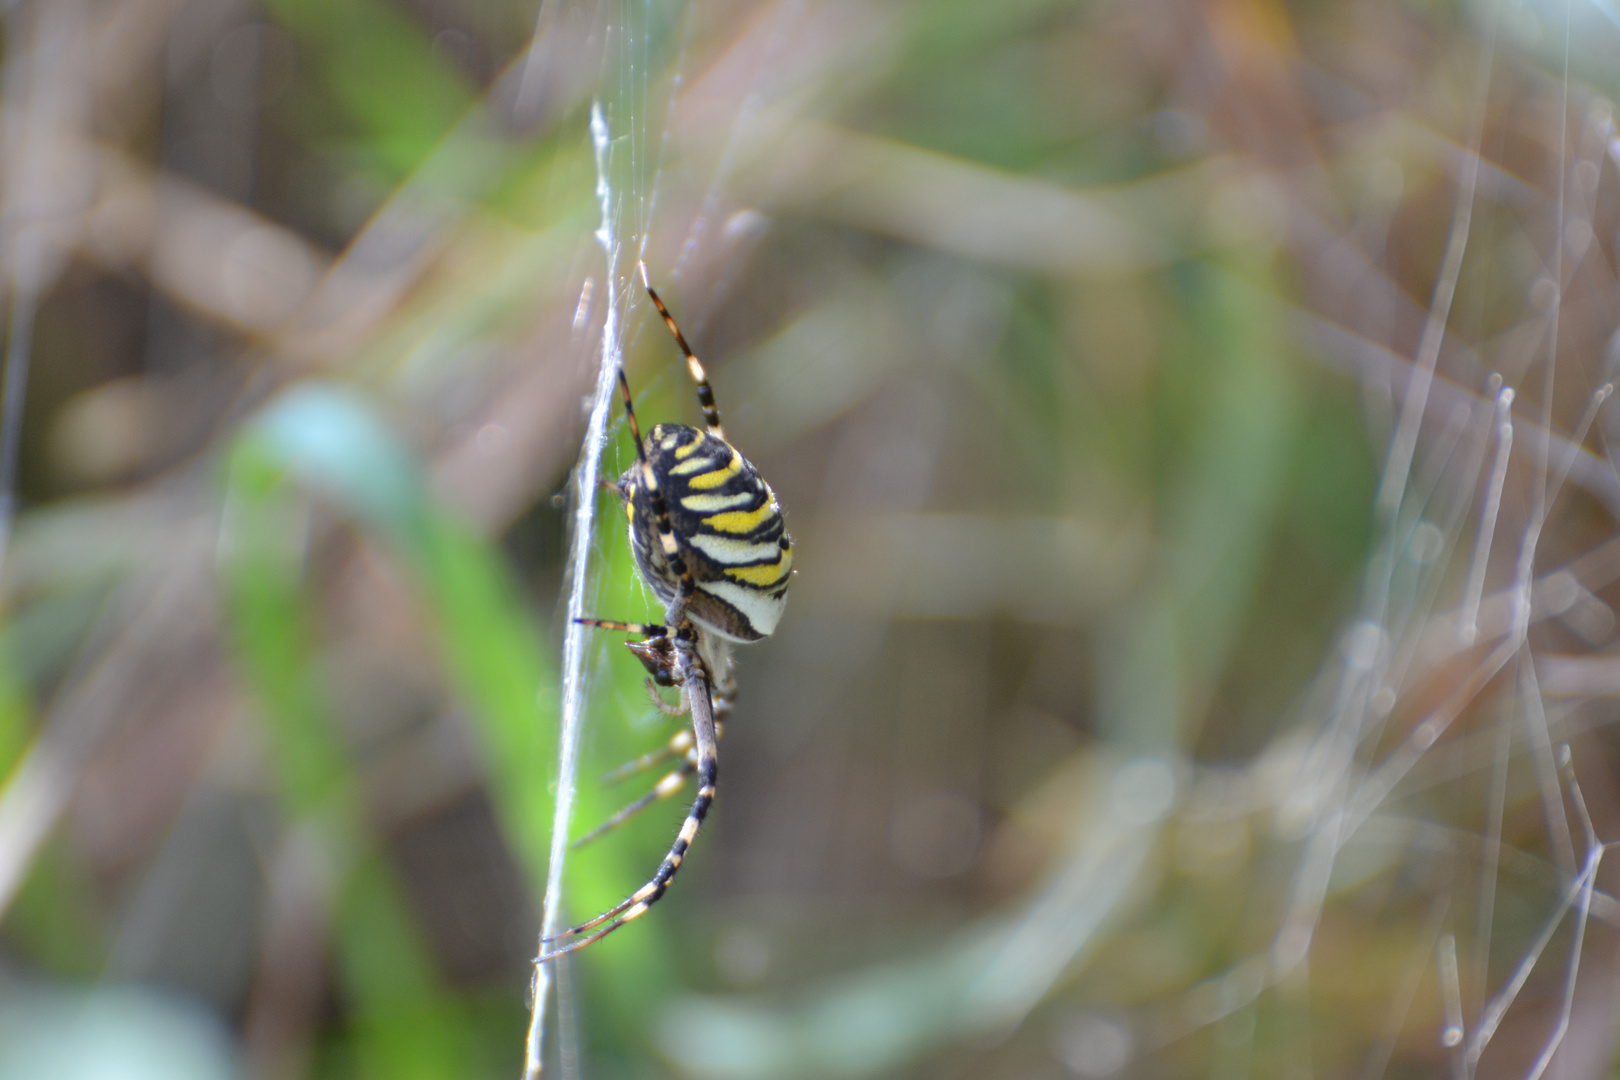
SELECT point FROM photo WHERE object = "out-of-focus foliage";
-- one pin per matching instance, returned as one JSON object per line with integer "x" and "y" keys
{"x": 1197, "y": 663}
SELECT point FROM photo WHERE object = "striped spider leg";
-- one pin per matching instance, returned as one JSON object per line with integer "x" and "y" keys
{"x": 709, "y": 540}
{"x": 637, "y": 903}
{"x": 656, "y": 655}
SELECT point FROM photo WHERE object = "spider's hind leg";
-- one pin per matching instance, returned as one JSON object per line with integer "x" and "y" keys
{"x": 707, "y": 768}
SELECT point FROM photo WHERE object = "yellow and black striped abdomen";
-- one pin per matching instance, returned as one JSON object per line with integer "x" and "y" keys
{"x": 728, "y": 529}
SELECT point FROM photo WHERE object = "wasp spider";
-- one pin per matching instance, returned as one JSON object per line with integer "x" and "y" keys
{"x": 708, "y": 538}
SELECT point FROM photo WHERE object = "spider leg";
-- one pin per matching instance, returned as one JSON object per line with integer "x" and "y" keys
{"x": 722, "y": 691}
{"x": 705, "y": 392}
{"x": 669, "y": 786}
{"x": 655, "y": 651}
{"x": 644, "y": 629}
{"x": 680, "y": 745}
{"x": 637, "y": 903}
{"x": 658, "y": 702}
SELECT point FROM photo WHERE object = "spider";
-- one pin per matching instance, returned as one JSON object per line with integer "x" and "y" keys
{"x": 709, "y": 540}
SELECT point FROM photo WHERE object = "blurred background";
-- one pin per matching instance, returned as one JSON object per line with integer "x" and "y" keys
{"x": 1190, "y": 415}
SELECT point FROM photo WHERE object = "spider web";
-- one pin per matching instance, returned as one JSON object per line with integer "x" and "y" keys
{"x": 630, "y": 137}
{"x": 573, "y": 688}
{"x": 1353, "y": 771}
{"x": 1440, "y": 482}
{"x": 1472, "y": 479}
